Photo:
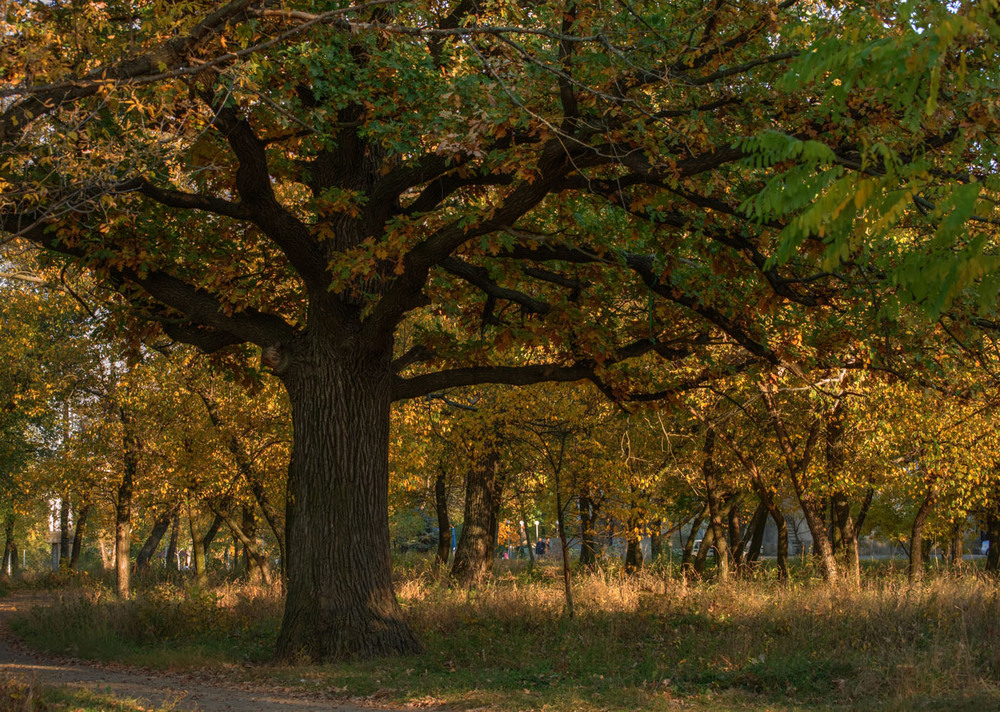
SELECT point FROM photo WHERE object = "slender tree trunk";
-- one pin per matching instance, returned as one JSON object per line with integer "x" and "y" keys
{"x": 955, "y": 546}
{"x": 757, "y": 522}
{"x": 719, "y": 531}
{"x": 444, "y": 523}
{"x": 993, "y": 554}
{"x": 561, "y": 529}
{"x": 483, "y": 496}
{"x": 687, "y": 565}
{"x": 767, "y": 499}
{"x": 123, "y": 507}
{"x": 340, "y": 602}
{"x": 197, "y": 549}
{"x": 848, "y": 539}
{"x": 757, "y": 537}
{"x": 916, "y": 562}
{"x": 65, "y": 540}
{"x": 213, "y": 530}
{"x": 9, "y": 547}
{"x": 81, "y": 527}
{"x": 257, "y": 569}
{"x": 175, "y": 532}
{"x": 589, "y": 545}
{"x": 656, "y": 540}
{"x": 701, "y": 558}
{"x": 160, "y": 526}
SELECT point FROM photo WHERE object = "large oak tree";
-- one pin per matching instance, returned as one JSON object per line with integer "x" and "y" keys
{"x": 553, "y": 188}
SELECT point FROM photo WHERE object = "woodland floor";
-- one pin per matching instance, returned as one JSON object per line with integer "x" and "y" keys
{"x": 142, "y": 689}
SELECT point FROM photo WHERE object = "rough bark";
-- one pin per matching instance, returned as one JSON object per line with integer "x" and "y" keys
{"x": 444, "y": 522}
{"x": 340, "y": 602}
{"x": 483, "y": 496}
{"x": 715, "y": 513}
{"x": 81, "y": 527}
{"x": 955, "y": 546}
{"x": 160, "y": 526}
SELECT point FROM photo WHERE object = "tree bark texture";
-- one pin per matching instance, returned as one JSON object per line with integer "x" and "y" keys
{"x": 175, "y": 532}
{"x": 81, "y": 527}
{"x": 483, "y": 496}
{"x": 340, "y": 602}
{"x": 719, "y": 530}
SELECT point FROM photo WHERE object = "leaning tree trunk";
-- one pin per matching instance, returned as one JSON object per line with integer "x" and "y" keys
{"x": 81, "y": 527}
{"x": 340, "y": 602}
{"x": 175, "y": 533}
{"x": 688, "y": 554}
{"x": 444, "y": 524}
{"x": 160, "y": 526}
{"x": 483, "y": 490}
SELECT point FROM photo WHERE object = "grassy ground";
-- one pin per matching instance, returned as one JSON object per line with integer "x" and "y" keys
{"x": 19, "y": 695}
{"x": 650, "y": 642}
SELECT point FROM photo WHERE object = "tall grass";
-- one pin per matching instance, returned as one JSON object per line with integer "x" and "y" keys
{"x": 646, "y": 641}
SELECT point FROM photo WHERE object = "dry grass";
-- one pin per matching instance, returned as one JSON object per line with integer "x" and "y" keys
{"x": 645, "y": 642}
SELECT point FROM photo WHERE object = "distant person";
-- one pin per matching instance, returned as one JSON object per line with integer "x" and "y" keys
{"x": 540, "y": 548}
{"x": 548, "y": 544}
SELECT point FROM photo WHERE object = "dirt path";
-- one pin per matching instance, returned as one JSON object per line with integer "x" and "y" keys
{"x": 182, "y": 692}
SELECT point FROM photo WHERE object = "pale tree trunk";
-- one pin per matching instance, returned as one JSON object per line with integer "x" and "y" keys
{"x": 340, "y": 602}
{"x": 483, "y": 494}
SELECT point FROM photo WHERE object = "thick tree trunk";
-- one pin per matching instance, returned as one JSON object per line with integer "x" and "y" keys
{"x": 340, "y": 602}
{"x": 444, "y": 522}
{"x": 844, "y": 526}
{"x": 955, "y": 546}
{"x": 915, "y": 569}
{"x": 633, "y": 554}
{"x": 81, "y": 527}
{"x": 719, "y": 530}
{"x": 701, "y": 558}
{"x": 160, "y": 527}
{"x": 483, "y": 495}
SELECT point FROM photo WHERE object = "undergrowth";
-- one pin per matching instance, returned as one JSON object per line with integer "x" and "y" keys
{"x": 645, "y": 642}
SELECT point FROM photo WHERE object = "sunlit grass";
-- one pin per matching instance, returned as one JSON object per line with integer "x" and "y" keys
{"x": 645, "y": 642}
